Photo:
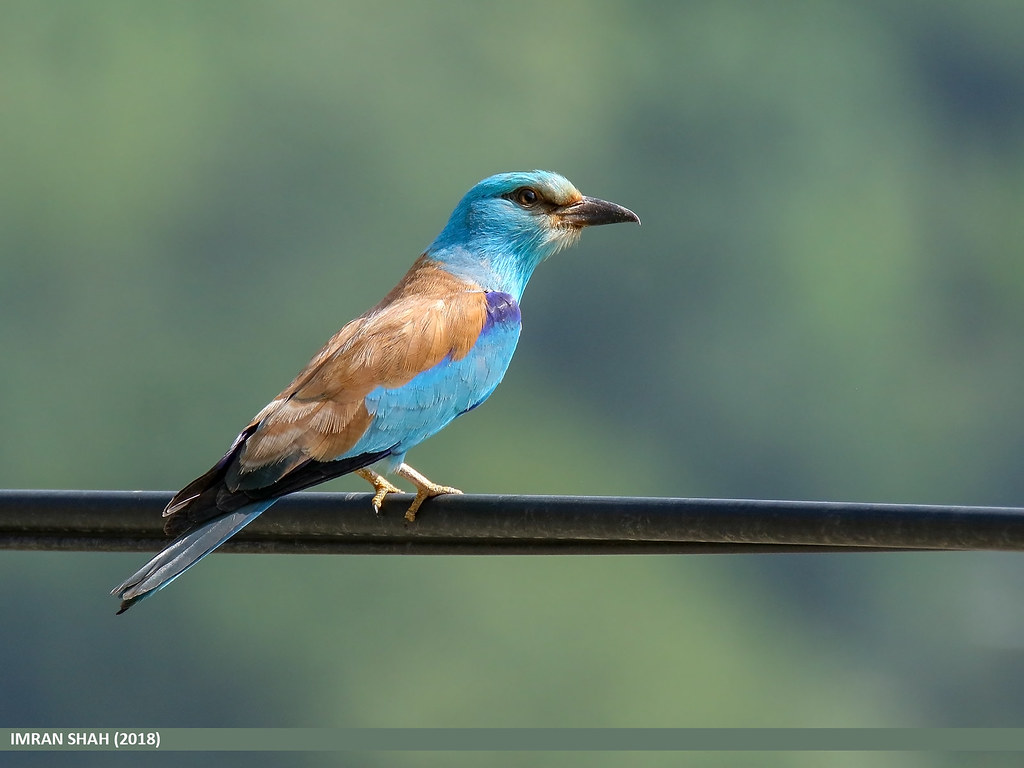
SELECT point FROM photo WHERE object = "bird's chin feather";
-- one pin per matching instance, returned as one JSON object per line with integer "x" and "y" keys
{"x": 562, "y": 236}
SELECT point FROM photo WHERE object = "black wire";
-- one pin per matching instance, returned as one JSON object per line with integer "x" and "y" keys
{"x": 345, "y": 523}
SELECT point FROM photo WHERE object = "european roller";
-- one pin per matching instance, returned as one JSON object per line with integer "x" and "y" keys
{"x": 433, "y": 349}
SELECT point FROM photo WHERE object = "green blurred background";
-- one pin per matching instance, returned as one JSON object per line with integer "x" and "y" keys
{"x": 825, "y": 301}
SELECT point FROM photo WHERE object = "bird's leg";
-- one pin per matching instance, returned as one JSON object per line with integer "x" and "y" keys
{"x": 381, "y": 486}
{"x": 425, "y": 489}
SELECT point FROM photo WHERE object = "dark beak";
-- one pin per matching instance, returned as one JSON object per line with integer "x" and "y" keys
{"x": 589, "y": 212}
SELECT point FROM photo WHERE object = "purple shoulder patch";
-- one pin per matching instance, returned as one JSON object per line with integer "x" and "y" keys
{"x": 501, "y": 308}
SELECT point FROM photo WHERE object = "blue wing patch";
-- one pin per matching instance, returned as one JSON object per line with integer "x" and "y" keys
{"x": 407, "y": 415}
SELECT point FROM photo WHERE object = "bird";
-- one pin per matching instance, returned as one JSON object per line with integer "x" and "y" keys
{"x": 435, "y": 347}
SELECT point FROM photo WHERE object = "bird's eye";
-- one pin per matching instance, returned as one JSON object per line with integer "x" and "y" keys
{"x": 527, "y": 197}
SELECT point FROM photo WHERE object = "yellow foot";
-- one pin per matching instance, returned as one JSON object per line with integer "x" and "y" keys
{"x": 425, "y": 489}
{"x": 381, "y": 486}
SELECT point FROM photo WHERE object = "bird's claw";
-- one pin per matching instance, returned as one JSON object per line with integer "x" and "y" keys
{"x": 427, "y": 492}
{"x": 379, "y": 496}
{"x": 425, "y": 488}
{"x": 381, "y": 485}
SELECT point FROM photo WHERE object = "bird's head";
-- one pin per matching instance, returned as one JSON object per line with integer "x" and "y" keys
{"x": 509, "y": 223}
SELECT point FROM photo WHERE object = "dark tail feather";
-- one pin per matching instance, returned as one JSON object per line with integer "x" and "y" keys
{"x": 184, "y": 552}
{"x": 214, "y": 507}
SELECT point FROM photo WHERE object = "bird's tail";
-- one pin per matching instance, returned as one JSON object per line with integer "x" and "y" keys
{"x": 184, "y": 552}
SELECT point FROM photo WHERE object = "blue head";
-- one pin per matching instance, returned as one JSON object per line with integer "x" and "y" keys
{"x": 509, "y": 223}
